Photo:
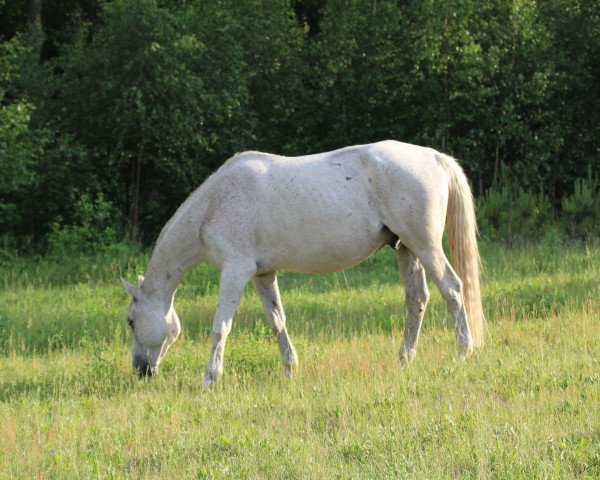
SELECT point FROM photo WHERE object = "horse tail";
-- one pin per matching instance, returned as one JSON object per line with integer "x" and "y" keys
{"x": 462, "y": 237}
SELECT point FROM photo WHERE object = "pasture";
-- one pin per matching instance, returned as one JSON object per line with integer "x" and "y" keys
{"x": 526, "y": 406}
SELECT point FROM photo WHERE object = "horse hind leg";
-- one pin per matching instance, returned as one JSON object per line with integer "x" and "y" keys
{"x": 437, "y": 266}
{"x": 417, "y": 296}
{"x": 268, "y": 290}
{"x": 233, "y": 281}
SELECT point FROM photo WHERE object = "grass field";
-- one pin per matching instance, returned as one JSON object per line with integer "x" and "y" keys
{"x": 526, "y": 406}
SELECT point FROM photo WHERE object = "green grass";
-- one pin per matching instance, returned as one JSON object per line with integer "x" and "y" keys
{"x": 526, "y": 406}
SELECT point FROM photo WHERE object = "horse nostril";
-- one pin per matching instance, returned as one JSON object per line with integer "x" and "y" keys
{"x": 144, "y": 371}
{"x": 142, "y": 368}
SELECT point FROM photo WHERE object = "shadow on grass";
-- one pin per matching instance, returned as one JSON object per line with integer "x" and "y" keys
{"x": 106, "y": 374}
{"x": 97, "y": 378}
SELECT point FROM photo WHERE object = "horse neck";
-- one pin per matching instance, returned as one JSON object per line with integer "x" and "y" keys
{"x": 176, "y": 251}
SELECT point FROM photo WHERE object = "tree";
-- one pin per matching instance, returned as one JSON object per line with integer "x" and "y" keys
{"x": 130, "y": 104}
{"x": 272, "y": 44}
{"x": 574, "y": 89}
{"x": 153, "y": 100}
{"x": 19, "y": 146}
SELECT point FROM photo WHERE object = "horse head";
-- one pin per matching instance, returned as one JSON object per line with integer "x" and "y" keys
{"x": 154, "y": 327}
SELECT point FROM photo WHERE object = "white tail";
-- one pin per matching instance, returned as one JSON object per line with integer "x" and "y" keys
{"x": 462, "y": 237}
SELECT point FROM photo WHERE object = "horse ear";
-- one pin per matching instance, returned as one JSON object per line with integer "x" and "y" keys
{"x": 140, "y": 280}
{"x": 131, "y": 289}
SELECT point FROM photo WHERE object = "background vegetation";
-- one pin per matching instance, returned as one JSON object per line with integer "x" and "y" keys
{"x": 111, "y": 112}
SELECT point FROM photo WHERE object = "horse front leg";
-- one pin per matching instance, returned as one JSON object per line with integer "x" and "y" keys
{"x": 417, "y": 296}
{"x": 268, "y": 290}
{"x": 233, "y": 281}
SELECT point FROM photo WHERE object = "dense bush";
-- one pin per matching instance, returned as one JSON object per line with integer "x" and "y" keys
{"x": 19, "y": 143}
{"x": 94, "y": 227}
{"x": 511, "y": 214}
{"x": 581, "y": 209}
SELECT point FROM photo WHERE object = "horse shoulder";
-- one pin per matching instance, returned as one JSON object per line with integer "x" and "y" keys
{"x": 249, "y": 162}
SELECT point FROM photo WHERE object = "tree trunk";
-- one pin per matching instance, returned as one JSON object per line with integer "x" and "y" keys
{"x": 446, "y": 134}
{"x": 90, "y": 7}
{"x": 136, "y": 168}
{"x": 134, "y": 195}
{"x": 480, "y": 184}
{"x": 496, "y": 165}
{"x": 34, "y": 12}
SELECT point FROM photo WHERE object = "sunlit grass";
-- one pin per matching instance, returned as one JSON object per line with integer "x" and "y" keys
{"x": 525, "y": 406}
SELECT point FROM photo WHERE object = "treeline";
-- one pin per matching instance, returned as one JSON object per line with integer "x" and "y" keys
{"x": 112, "y": 112}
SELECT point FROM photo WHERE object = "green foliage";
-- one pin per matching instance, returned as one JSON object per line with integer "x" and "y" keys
{"x": 94, "y": 228}
{"x": 581, "y": 209}
{"x": 141, "y": 100}
{"x": 19, "y": 146}
{"x": 13, "y": 16}
{"x": 573, "y": 103}
{"x": 511, "y": 213}
{"x": 16, "y": 157}
{"x": 183, "y": 101}
{"x": 137, "y": 125}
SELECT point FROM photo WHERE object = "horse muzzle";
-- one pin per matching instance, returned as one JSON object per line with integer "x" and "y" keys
{"x": 142, "y": 368}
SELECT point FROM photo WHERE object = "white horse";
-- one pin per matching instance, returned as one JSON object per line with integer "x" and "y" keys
{"x": 260, "y": 213}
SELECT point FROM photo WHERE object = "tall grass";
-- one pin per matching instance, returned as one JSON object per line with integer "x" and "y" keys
{"x": 526, "y": 406}
{"x": 47, "y": 304}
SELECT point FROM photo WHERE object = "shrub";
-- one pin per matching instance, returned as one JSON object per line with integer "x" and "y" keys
{"x": 581, "y": 209}
{"x": 97, "y": 225}
{"x": 511, "y": 213}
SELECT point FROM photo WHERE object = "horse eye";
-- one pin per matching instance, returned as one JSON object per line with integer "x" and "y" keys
{"x": 130, "y": 322}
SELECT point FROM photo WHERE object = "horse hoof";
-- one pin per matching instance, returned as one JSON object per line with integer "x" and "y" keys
{"x": 290, "y": 370}
{"x": 210, "y": 379}
{"x": 407, "y": 356}
{"x": 465, "y": 352}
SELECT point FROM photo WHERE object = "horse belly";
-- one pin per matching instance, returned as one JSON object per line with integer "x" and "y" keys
{"x": 321, "y": 239}
{"x": 322, "y": 261}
